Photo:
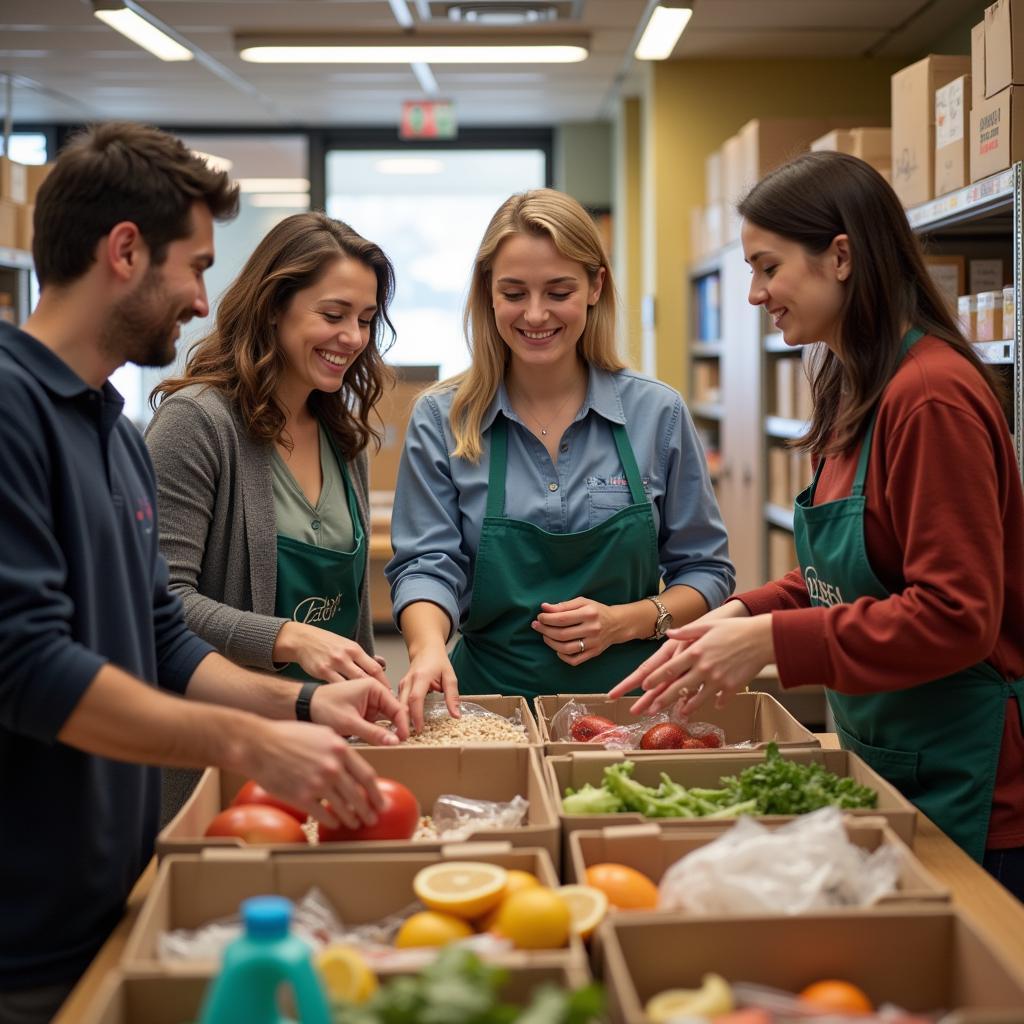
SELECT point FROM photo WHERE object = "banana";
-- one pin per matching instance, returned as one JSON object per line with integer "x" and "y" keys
{"x": 711, "y": 999}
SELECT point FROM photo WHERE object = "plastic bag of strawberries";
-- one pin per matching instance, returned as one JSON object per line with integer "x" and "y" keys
{"x": 576, "y": 722}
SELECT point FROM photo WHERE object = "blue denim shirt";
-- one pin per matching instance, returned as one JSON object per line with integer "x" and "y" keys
{"x": 440, "y": 500}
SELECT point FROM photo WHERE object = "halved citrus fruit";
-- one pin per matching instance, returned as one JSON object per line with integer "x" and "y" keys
{"x": 587, "y": 907}
{"x": 534, "y": 919}
{"x": 346, "y": 975}
{"x": 466, "y": 889}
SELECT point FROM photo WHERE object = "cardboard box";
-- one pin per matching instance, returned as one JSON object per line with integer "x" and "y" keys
{"x": 967, "y": 316}
{"x": 704, "y": 770}
{"x": 484, "y": 773}
{"x": 395, "y": 408}
{"x": 25, "y": 216}
{"x": 190, "y": 891}
{"x": 990, "y": 316}
{"x": 921, "y": 958}
{"x": 157, "y": 998}
{"x": 948, "y": 273}
{"x": 780, "y": 486}
{"x": 997, "y": 133}
{"x": 713, "y": 171}
{"x": 35, "y": 175}
{"x": 985, "y": 276}
{"x": 802, "y": 385}
{"x": 1010, "y": 311}
{"x": 913, "y": 124}
{"x": 872, "y": 145}
{"x": 653, "y": 850}
{"x": 781, "y": 551}
{"x": 9, "y": 224}
{"x": 754, "y": 718}
{"x": 13, "y": 181}
{"x": 952, "y": 135}
{"x": 1004, "y": 46}
{"x": 977, "y": 63}
{"x": 732, "y": 185}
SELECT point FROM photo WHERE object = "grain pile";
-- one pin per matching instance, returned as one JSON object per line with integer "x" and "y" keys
{"x": 444, "y": 731}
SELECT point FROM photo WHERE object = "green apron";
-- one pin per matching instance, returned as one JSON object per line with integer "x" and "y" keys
{"x": 938, "y": 742}
{"x": 320, "y": 586}
{"x": 519, "y": 565}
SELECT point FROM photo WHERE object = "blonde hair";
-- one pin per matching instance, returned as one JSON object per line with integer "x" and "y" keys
{"x": 540, "y": 212}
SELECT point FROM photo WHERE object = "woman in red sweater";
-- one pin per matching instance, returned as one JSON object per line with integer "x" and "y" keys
{"x": 908, "y": 605}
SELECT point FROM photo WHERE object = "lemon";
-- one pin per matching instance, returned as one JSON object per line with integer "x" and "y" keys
{"x": 517, "y": 881}
{"x": 464, "y": 888}
{"x": 346, "y": 975}
{"x": 429, "y": 928}
{"x": 713, "y": 998}
{"x": 587, "y": 907}
{"x": 534, "y": 919}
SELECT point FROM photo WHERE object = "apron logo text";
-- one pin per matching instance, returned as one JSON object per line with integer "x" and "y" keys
{"x": 317, "y": 609}
{"x": 819, "y": 591}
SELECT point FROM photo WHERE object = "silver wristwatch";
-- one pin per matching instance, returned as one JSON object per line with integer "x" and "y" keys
{"x": 664, "y": 620}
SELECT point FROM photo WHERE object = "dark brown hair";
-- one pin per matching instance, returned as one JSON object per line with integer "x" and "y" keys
{"x": 812, "y": 200}
{"x": 241, "y": 357}
{"x": 114, "y": 172}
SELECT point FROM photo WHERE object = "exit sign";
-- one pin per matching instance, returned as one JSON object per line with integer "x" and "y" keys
{"x": 428, "y": 119}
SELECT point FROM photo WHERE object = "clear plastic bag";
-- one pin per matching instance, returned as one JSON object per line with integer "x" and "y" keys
{"x": 476, "y": 724}
{"x": 808, "y": 864}
{"x": 629, "y": 736}
{"x": 785, "y": 1008}
{"x": 458, "y": 817}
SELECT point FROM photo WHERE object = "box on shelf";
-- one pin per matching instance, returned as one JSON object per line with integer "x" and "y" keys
{"x": 394, "y": 408}
{"x": 1009, "y": 311}
{"x": 952, "y": 136}
{"x": 985, "y": 276}
{"x": 781, "y": 551}
{"x": 802, "y": 386}
{"x": 948, "y": 273}
{"x": 190, "y": 891}
{"x": 1004, "y": 46}
{"x": 25, "y": 216}
{"x": 954, "y": 967}
{"x": 13, "y": 181}
{"x": 872, "y": 145}
{"x": 780, "y": 487}
{"x": 997, "y": 132}
{"x": 978, "y": 63}
{"x": 483, "y": 773}
{"x": 913, "y": 124}
{"x": 990, "y": 316}
{"x": 704, "y": 771}
{"x": 732, "y": 187}
{"x": 785, "y": 386}
{"x": 756, "y": 718}
{"x": 9, "y": 220}
{"x": 652, "y": 850}
{"x": 35, "y": 175}
{"x": 705, "y": 381}
{"x": 967, "y": 316}
{"x": 713, "y": 230}
{"x": 713, "y": 171}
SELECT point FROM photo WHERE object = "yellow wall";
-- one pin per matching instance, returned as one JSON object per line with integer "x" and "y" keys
{"x": 689, "y": 109}
{"x": 628, "y": 265}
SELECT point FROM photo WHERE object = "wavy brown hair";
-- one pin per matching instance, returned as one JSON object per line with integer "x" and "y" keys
{"x": 811, "y": 200}
{"x": 241, "y": 357}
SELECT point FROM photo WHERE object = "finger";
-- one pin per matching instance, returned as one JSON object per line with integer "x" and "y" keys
{"x": 366, "y": 778}
{"x": 675, "y": 668}
{"x": 381, "y": 661}
{"x": 637, "y": 677}
{"x": 643, "y": 703}
{"x": 415, "y": 706}
{"x": 722, "y": 698}
{"x": 564, "y": 632}
{"x": 565, "y": 620}
{"x": 367, "y": 665}
{"x": 450, "y": 686}
{"x": 401, "y": 722}
{"x": 321, "y": 812}
{"x": 695, "y": 700}
{"x": 370, "y": 732}
{"x": 564, "y": 606}
{"x": 388, "y": 705}
{"x": 691, "y": 631}
{"x": 351, "y": 798}
{"x": 338, "y": 809}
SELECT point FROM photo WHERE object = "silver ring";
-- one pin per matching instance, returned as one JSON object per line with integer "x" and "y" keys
{"x": 582, "y": 646}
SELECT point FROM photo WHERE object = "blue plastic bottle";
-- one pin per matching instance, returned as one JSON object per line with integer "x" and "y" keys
{"x": 257, "y": 964}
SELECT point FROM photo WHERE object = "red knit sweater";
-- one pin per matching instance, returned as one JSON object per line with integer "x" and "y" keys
{"x": 944, "y": 528}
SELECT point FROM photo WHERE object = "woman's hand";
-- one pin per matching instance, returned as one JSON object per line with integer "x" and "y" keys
{"x": 565, "y": 624}
{"x": 356, "y": 706}
{"x": 325, "y": 655}
{"x": 716, "y": 657}
{"x": 429, "y": 669}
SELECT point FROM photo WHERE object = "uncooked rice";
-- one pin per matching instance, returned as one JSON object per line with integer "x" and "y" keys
{"x": 445, "y": 731}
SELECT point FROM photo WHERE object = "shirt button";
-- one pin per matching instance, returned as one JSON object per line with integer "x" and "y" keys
{"x": 552, "y": 486}
{"x": 563, "y": 448}
{"x": 315, "y": 524}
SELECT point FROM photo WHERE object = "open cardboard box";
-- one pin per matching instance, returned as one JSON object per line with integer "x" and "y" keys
{"x": 756, "y": 718}
{"x": 156, "y": 998}
{"x": 923, "y": 958}
{"x": 484, "y": 772}
{"x": 704, "y": 772}
{"x": 190, "y": 891}
{"x": 652, "y": 850}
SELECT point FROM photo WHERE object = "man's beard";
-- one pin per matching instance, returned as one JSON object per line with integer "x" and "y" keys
{"x": 140, "y": 329}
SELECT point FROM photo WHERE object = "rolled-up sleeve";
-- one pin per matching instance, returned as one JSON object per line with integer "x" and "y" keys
{"x": 430, "y": 560}
{"x": 693, "y": 544}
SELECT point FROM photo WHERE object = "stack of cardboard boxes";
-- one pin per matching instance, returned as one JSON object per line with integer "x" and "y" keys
{"x": 997, "y": 60}
{"x": 18, "y": 186}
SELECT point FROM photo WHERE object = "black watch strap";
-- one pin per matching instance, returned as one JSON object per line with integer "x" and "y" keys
{"x": 303, "y": 701}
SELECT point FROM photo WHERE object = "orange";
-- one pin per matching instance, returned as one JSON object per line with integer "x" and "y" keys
{"x": 516, "y": 881}
{"x": 430, "y": 928}
{"x": 836, "y": 995}
{"x": 625, "y": 887}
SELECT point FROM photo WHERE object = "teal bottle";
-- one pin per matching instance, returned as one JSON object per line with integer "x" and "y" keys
{"x": 257, "y": 964}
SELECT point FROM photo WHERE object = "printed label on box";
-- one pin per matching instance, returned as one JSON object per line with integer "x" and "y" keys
{"x": 949, "y": 113}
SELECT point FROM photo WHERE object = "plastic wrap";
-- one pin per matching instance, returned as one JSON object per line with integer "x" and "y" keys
{"x": 476, "y": 725}
{"x": 809, "y": 864}
{"x": 629, "y": 736}
{"x": 458, "y": 817}
{"x": 784, "y": 1008}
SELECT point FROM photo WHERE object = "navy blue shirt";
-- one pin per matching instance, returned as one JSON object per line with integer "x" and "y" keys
{"x": 82, "y": 583}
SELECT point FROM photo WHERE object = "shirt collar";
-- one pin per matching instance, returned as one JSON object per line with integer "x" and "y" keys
{"x": 602, "y": 397}
{"x": 48, "y": 368}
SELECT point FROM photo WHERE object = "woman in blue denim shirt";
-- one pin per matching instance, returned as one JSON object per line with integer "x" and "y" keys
{"x": 547, "y": 493}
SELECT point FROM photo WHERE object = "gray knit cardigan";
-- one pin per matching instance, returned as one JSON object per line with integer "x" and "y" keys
{"x": 217, "y": 526}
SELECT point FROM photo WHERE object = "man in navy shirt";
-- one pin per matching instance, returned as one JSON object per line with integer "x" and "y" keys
{"x": 95, "y": 657}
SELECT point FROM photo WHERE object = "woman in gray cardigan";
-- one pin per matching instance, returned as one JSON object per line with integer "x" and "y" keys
{"x": 260, "y": 456}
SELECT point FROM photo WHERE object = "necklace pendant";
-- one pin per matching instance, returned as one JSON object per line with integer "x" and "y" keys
{"x": 543, "y": 432}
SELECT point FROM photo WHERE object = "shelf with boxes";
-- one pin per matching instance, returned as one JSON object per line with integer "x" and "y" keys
{"x": 18, "y": 186}
{"x": 705, "y": 354}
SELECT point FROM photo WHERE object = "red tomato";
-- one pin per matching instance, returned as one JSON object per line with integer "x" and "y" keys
{"x": 254, "y": 793}
{"x": 257, "y": 823}
{"x": 586, "y": 727}
{"x": 398, "y": 820}
{"x": 664, "y": 736}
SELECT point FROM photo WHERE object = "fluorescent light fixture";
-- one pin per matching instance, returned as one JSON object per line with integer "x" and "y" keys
{"x": 215, "y": 163}
{"x": 273, "y": 185}
{"x": 142, "y": 33}
{"x": 662, "y": 33}
{"x": 426, "y": 49}
{"x": 409, "y": 165}
{"x": 279, "y": 200}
